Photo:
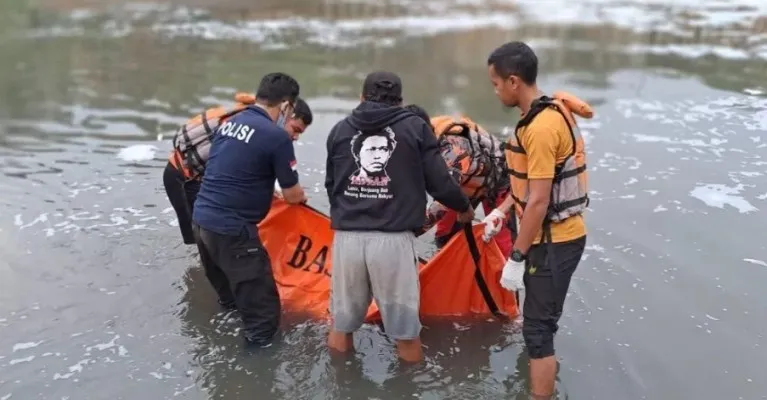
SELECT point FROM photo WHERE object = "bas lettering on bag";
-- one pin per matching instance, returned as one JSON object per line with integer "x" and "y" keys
{"x": 302, "y": 253}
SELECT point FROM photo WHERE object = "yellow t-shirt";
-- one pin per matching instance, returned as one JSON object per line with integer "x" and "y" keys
{"x": 547, "y": 142}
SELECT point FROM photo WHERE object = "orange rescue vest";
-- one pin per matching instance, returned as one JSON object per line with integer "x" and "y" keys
{"x": 569, "y": 190}
{"x": 474, "y": 156}
{"x": 191, "y": 144}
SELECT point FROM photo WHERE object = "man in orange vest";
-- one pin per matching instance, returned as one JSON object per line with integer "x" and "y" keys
{"x": 181, "y": 184}
{"x": 445, "y": 219}
{"x": 549, "y": 194}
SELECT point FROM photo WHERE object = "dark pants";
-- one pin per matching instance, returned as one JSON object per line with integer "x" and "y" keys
{"x": 240, "y": 271}
{"x": 548, "y": 272}
{"x": 182, "y": 196}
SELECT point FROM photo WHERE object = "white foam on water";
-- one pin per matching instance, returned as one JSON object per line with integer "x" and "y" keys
{"x": 27, "y": 345}
{"x": 77, "y": 188}
{"x": 340, "y": 32}
{"x": 690, "y": 51}
{"x": 701, "y": 131}
{"x": 430, "y": 17}
{"x": 728, "y": 109}
{"x": 644, "y": 138}
{"x": 718, "y": 196}
{"x": 111, "y": 348}
{"x": 157, "y": 103}
{"x": 106, "y": 117}
{"x": 42, "y": 218}
{"x": 111, "y": 345}
{"x": 754, "y": 261}
{"x": 138, "y": 152}
{"x": 6, "y": 397}
{"x": 645, "y": 11}
{"x": 350, "y": 33}
{"x": 595, "y": 247}
{"x": 21, "y": 360}
{"x": 73, "y": 369}
{"x": 183, "y": 390}
{"x": 761, "y": 118}
{"x": 750, "y": 174}
{"x": 54, "y": 128}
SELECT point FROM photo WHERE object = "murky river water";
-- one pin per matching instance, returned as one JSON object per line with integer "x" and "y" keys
{"x": 99, "y": 300}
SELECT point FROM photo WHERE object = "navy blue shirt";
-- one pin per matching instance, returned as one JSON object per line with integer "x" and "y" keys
{"x": 248, "y": 152}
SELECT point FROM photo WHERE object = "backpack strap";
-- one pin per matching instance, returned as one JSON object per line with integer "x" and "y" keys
{"x": 558, "y": 108}
{"x": 536, "y": 107}
{"x": 541, "y": 104}
{"x": 192, "y": 150}
{"x": 184, "y": 170}
{"x": 465, "y": 129}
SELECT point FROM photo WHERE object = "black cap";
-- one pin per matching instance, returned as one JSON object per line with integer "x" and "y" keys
{"x": 382, "y": 82}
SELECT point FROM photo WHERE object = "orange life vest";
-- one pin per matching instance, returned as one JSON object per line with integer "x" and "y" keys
{"x": 569, "y": 190}
{"x": 191, "y": 144}
{"x": 474, "y": 156}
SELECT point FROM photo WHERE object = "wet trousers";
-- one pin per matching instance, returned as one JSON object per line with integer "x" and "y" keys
{"x": 548, "y": 272}
{"x": 240, "y": 271}
{"x": 182, "y": 196}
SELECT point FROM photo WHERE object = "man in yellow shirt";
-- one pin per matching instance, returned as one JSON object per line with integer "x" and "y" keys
{"x": 549, "y": 194}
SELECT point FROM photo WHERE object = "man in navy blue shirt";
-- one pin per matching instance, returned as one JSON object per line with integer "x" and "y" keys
{"x": 247, "y": 154}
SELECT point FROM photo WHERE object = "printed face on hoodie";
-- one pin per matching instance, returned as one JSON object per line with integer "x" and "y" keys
{"x": 374, "y": 154}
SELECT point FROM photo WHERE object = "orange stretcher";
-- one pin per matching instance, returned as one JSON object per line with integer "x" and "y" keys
{"x": 460, "y": 280}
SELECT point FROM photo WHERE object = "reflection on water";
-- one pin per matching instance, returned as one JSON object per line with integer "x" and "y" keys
{"x": 99, "y": 299}
{"x": 475, "y": 359}
{"x": 164, "y": 60}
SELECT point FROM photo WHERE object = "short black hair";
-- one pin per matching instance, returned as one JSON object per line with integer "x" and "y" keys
{"x": 419, "y": 111}
{"x": 383, "y": 87}
{"x": 277, "y": 87}
{"x": 302, "y": 111}
{"x": 515, "y": 58}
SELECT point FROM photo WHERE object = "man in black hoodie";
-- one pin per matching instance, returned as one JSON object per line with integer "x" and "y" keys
{"x": 381, "y": 162}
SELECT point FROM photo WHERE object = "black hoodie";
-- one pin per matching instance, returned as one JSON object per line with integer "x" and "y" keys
{"x": 381, "y": 162}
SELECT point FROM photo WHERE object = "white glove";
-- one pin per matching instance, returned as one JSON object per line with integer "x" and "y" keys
{"x": 277, "y": 189}
{"x": 493, "y": 224}
{"x": 512, "y": 276}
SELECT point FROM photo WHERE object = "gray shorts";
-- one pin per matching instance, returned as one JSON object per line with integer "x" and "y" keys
{"x": 381, "y": 266}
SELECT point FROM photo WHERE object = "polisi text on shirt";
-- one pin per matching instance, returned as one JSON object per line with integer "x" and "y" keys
{"x": 237, "y": 130}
